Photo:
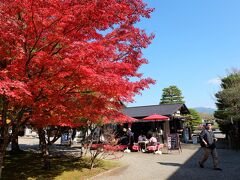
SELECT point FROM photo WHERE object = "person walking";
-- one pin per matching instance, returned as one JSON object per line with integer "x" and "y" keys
{"x": 207, "y": 139}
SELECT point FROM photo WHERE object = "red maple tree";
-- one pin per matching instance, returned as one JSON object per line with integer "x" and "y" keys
{"x": 64, "y": 60}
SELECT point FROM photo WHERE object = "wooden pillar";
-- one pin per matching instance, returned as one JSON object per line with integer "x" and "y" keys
{"x": 166, "y": 130}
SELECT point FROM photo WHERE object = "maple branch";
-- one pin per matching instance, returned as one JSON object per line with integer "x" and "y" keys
{"x": 18, "y": 121}
{"x": 3, "y": 64}
{"x": 39, "y": 36}
{"x": 56, "y": 51}
{"x": 54, "y": 46}
{"x": 46, "y": 45}
{"x": 4, "y": 108}
{"x": 57, "y": 135}
{"x": 56, "y": 43}
{"x": 65, "y": 33}
{"x": 32, "y": 18}
{"x": 121, "y": 56}
{"x": 35, "y": 43}
{"x": 68, "y": 91}
{"x": 36, "y": 99}
{"x": 54, "y": 22}
{"x": 19, "y": 16}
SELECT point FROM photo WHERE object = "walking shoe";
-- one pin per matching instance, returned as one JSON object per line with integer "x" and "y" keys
{"x": 217, "y": 169}
{"x": 200, "y": 164}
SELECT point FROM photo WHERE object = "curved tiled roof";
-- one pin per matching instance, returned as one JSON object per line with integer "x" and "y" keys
{"x": 163, "y": 109}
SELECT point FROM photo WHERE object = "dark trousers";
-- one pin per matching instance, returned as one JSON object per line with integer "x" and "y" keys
{"x": 207, "y": 152}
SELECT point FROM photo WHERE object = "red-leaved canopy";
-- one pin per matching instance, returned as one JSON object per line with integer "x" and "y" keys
{"x": 70, "y": 60}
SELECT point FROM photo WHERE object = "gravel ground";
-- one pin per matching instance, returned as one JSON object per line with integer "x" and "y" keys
{"x": 175, "y": 166}
{"x": 171, "y": 166}
{"x": 32, "y": 144}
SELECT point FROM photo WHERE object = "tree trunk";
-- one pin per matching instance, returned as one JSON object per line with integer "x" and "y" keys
{"x": 92, "y": 163}
{"x": 227, "y": 136}
{"x": 46, "y": 159}
{"x": 4, "y": 140}
{"x": 230, "y": 139}
{"x": 44, "y": 149}
{"x": 94, "y": 156}
{"x": 238, "y": 134}
{"x": 14, "y": 146}
{"x": 3, "y": 144}
{"x": 2, "y": 154}
{"x": 14, "y": 140}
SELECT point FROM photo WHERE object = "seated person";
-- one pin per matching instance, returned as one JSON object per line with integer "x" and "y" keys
{"x": 142, "y": 137}
{"x": 142, "y": 141}
{"x": 153, "y": 141}
{"x": 123, "y": 138}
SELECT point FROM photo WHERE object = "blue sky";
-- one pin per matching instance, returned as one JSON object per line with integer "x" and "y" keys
{"x": 196, "y": 42}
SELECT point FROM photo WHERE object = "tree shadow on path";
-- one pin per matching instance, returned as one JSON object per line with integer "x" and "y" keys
{"x": 229, "y": 162}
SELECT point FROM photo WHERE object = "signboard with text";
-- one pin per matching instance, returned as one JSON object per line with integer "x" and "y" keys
{"x": 173, "y": 141}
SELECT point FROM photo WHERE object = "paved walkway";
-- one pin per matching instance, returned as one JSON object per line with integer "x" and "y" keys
{"x": 175, "y": 166}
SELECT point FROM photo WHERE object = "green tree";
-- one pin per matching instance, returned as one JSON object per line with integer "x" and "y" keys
{"x": 228, "y": 104}
{"x": 207, "y": 117}
{"x": 195, "y": 119}
{"x": 171, "y": 95}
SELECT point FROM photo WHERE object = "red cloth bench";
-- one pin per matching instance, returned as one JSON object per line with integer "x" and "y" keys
{"x": 136, "y": 148}
{"x": 155, "y": 148}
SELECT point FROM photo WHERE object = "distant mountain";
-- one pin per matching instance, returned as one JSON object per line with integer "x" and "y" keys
{"x": 205, "y": 110}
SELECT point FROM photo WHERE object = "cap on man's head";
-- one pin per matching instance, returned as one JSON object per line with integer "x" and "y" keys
{"x": 208, "y": 124}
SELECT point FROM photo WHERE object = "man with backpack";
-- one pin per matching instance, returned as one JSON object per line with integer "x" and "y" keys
{"x": 207, "y": 141}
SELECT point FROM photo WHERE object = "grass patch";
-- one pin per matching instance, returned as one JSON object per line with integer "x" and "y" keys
{"x": 29, "y": 166}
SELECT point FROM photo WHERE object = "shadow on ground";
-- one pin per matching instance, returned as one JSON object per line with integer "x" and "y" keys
{"x": 229, "y": 162}
{"x": 169, "y": 164}
{"x": 29, "y": 165}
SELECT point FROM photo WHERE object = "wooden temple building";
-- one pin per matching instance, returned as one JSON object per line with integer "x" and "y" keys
{"x": 175, "y": 124}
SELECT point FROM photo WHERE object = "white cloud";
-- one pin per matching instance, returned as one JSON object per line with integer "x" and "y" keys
{"x": 214, "y": 81}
